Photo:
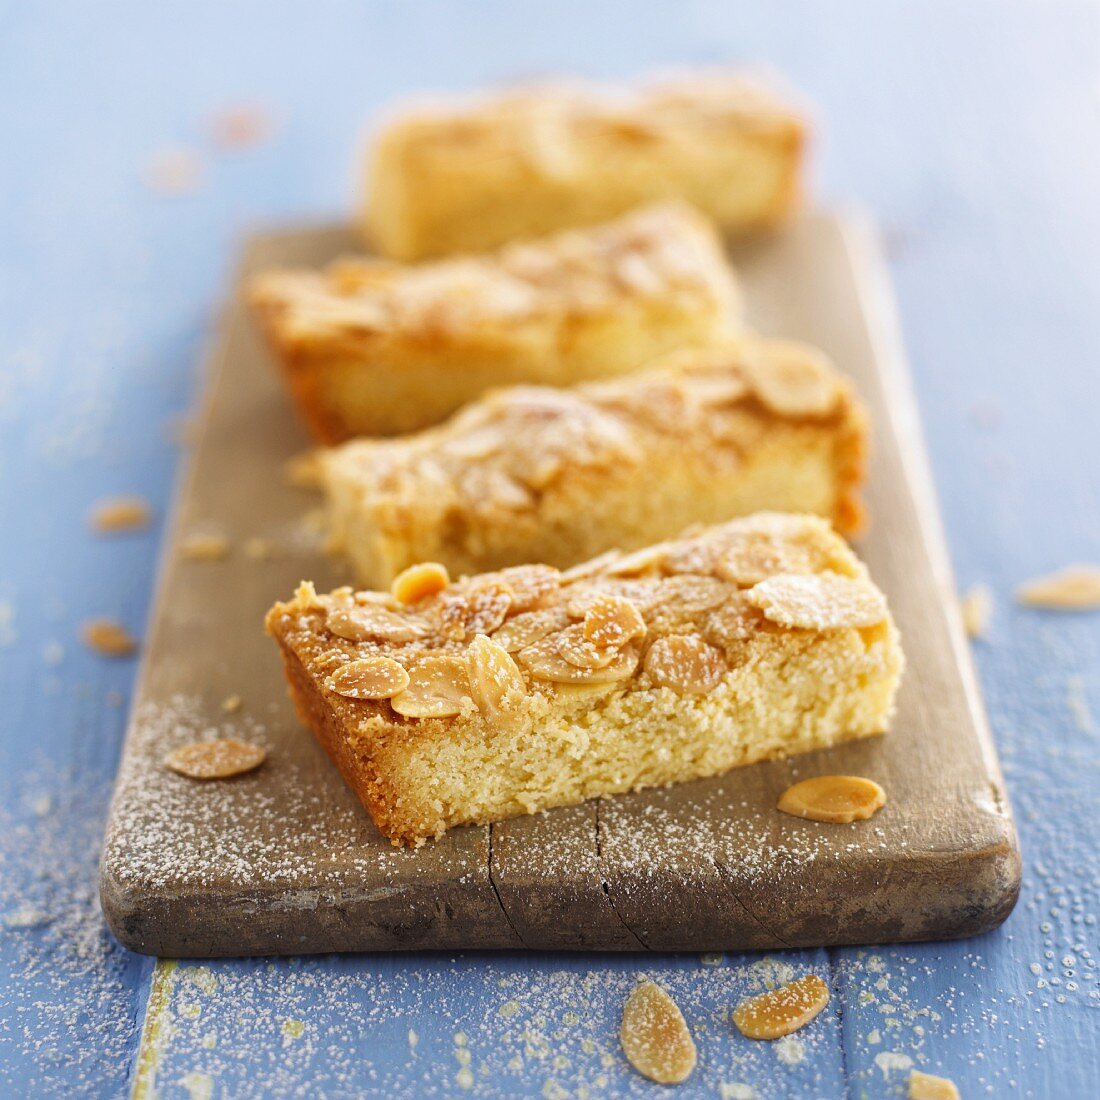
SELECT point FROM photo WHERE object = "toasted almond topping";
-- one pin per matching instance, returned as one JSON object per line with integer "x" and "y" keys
{"x": 231, "y": 704}
{"x": 735, "y": 621}
{"x": 121, "y": 514}
{"x": 780, "y": 1011}
{"x": 1075, "y": 588}
{"x": 205, "y": 547}
{"x": 691, "y": 593}
{"x": 835, "y": 798}
{"x": 495, "y": 678}
{"x": 370, "y": 678}
{"x": 418, "y": 582}
{"x": 439, "y": 686}
{"x": 655, "y": 1037}
{"x": 545, "y": 662}
{"x": 108, "y": 637}
{"x": 530, "y": 584}
{"x": 577, "y": 650}
{"x": 591, "y": 567}
{"x": 215, "y": 759}
{"x": 369, "y": 622}
{"x": 821, "y": 601}
{"x": 479, "y": 609}
{"x": 685, "y": 663}
{"x": 612, "y": 622}
{"x": 977, "y": 608}
{"x": 640, "y": 561}
{"x": 530, "y": 627}
{"x": 927, "y": 1086}
{"x": 793, "y": 380}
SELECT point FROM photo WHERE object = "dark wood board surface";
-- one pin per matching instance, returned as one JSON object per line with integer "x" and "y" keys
{"x": 285, "y": 861}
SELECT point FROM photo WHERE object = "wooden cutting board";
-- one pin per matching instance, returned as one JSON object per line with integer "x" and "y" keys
{"x": 285, "y": 861}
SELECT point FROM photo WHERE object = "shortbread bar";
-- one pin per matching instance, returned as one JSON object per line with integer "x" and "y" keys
{"x": 467, "y": 176}
{"x": 373, "y": 348}
{"x": 560, "y": 475}
{"x": 455, "y": 703}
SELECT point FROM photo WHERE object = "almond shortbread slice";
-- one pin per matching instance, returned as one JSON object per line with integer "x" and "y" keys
{"x": 559, "y": 476}
{"x": 466, "y": 175}
{"x": 507, "y": 693}
{"x": 376, "y": 348}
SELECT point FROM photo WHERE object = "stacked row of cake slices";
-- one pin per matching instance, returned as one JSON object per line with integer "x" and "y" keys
{"x": 595, "y": 516}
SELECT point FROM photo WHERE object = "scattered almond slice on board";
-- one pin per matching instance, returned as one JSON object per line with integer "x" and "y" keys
{"x": 1075, "y": 588}
{"x": 655, "y": 1037}
{"x": 205, "y": 547}
{"x": 108, "y": 637}
{"x": 838, "y": 799}
{"x": 215, "y": 759}
{"x": 781, "y": 1011}
{"x": 927, "y": 1086}
{"x": 120, "y": 514}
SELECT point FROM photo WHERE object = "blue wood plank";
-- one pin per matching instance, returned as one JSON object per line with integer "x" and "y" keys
{"x": 968, "y": 128}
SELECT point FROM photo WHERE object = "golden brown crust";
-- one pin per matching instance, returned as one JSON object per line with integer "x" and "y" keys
{"x": 525, "y": 474}
{"x": 466, "y": 175}
{"x": 370, "y": 347}
{"x": 688, "y": 624}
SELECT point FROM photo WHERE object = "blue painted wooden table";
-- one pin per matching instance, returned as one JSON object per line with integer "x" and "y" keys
{"x": 970, "y": 129}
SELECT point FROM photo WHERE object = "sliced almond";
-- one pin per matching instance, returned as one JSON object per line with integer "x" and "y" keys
{"x": 108, "y": 637}
{"x": 685, "y": 663}
{"x": 612, "y": 622}
{"x": 835, "y": 798}
{"x": 370, "y": 622}
{"x": 655, "y": 1037}
{"x": 691, "y": 594}
{"x": 495, "y": 678}
{"x": 205, "y": 547}
{"x": 480, "y": 608}
{"x": 793, "y": 379}
{"x": 530, "y": 585}
{"x": 577, "y": 650}
{"x": 530, "y": 627}
{"x": 781, "y": 1011}
{"x": 215, "y": 759}
{"x": 439, "y": 687}
{"x": 121, "y": 514}
{"x": 370, "y": 678}
{"x": 1075, "y": 588}
{"x": 734, "y": 621}
{"x": 418, "y": 582}
{"x": 545, "y": 662}
{"x": 977, "y": 609}
{"x": 927, "y": 1086}
{"x": 640, "y": 561}
{"x": 820, "y": 601}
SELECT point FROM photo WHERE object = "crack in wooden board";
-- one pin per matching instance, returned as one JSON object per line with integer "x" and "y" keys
{"x": 285, "y": 861}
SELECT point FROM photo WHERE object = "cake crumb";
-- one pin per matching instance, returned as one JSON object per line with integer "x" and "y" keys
{"x": 304, "y": 471}
{"x": 119, "y": 514}
{"x": 927, "y": 1086}
{"x": 108, "y": 637}
{"x": 1075, "y": 588}
{"x": 257, "y": 549}
{"x": 231, "y": 704}
{"x": 175, "y": 171}
{"x": 655, "y": 1037}
{"x": 977, "y": 609}
{"x": 205, "y": 547}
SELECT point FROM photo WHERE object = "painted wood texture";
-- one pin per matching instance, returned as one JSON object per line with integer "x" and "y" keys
{"x": 965, "y": 128}
{"x": 284, "y": 861}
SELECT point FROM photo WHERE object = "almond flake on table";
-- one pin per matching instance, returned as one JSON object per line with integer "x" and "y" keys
{"x": 118, "y": 514}
{"x": 927, "y": 1086}
{"x": 215, "y": 759}
{"x": 1075, "y": 588}
{"x": 781, "y": 1011}
{"x": 108, "y": 637}
{"x": 655, "y": 1037}
{"x": 977, "y": 609}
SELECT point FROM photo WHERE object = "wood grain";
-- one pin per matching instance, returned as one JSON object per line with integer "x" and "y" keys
{"x": 285, "y": 861}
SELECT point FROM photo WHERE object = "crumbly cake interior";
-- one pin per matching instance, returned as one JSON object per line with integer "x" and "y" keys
{"x": 528, "y": 688}
{"x": 451, "y": 175}
{"x": 372, "y": 347}
{"x": 558, "y": 476}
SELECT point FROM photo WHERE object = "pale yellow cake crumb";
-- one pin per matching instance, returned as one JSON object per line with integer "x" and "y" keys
{"x": 977, "y": 610}
{"x": 205, "y": 547}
